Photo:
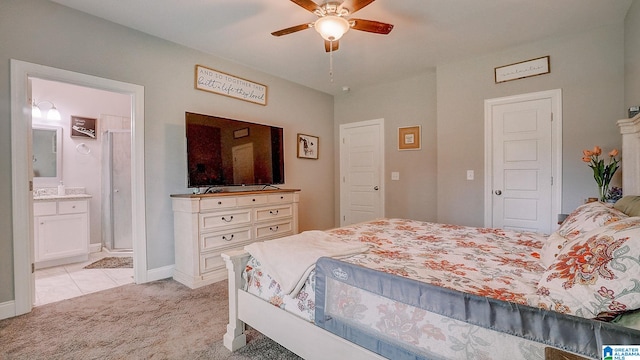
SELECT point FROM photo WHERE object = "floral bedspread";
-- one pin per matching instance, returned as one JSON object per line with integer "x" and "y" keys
{"x": 495, "y": 263}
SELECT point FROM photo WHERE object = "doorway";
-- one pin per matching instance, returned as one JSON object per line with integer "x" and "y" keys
{"x": 22, "y": 184}
{"x": 361, "y": 171}
{"x": 523, "y": 161}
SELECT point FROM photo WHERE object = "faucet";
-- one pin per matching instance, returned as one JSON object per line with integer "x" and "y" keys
{"x": 40, "y": 192}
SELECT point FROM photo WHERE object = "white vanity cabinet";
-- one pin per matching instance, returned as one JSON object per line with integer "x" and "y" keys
{"x": 207, "y": 225}
{"x": 61, "y": 231}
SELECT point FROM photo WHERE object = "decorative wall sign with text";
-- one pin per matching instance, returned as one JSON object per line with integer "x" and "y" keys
{"x": 83, "y": 127}
{"x": 228, "y": 85}
{"x": 522, "y": 69}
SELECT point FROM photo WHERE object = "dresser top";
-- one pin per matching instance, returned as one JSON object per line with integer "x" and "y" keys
{"x": 234, "y": 193}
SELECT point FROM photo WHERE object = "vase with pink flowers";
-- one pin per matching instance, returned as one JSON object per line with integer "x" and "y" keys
{"x": 602, "y": 173}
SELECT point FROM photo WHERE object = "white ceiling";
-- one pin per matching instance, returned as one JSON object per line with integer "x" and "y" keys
{"x": 426, "y": 32}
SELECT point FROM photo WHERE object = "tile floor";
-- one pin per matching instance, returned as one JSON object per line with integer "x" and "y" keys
{"x": 71, "y": 280}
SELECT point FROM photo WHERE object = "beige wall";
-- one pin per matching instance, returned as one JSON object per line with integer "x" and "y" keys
{"x": 588, "y": 67}
{"x": 632, "y": 56}
{"x": 405, "y": 102}
{"x": 46, "y": 33}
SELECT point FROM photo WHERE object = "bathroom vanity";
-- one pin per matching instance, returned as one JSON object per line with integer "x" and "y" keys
{"x": 61, "y": 229}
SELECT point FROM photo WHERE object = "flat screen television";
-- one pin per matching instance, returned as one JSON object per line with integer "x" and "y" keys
{"x": 227, "y": 152}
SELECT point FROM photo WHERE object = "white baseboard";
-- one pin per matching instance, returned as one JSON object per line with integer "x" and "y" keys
{"x": 160, "y": 273}
{"x": 94, "y": 248}
{"x": 7, "y": 309}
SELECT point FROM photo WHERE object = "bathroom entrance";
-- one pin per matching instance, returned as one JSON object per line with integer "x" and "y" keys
{"x": 22, "y": 185}
{"x": 95, "y": 162}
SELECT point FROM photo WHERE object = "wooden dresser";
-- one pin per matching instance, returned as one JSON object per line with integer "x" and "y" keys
{"x": 205, "y": 225}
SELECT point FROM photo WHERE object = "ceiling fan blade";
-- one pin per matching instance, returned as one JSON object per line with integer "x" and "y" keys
{"x": 292, "y": 29}
{"x": 359, "y": 4}
{"x": 371, "y": 26}
{"x": 328, "y": 44}
{"x": 307, "y": 4}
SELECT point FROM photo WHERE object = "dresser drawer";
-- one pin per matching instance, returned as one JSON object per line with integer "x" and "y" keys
{"x": 274, "y": 212}
{"x": 44, "y": 208}
{"x": 275, "y": 229}
{"x": 252, "y": 200}
{"x": 72, "y": 207}
{"x": 212, "y": 261}
{"x": 223, "y": 219}
{"x": 222, "y": 202}
{"x": 213, "y": 240}
{"x": 277, "y": 198}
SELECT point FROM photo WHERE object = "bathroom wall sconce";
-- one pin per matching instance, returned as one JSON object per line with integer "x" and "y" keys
{"x": 52, "y": 113}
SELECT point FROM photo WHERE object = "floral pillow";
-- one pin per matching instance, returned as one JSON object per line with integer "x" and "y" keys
{"x": 551, "y": 248}
{"x": 588, "y": 217}
{"x": 597, "y": 275}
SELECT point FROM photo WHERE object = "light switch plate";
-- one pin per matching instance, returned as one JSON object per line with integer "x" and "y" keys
{"x": 395, "y": 175}
{"x": 470, "y": 175}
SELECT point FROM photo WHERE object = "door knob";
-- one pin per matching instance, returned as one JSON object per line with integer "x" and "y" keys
{"x": 375, "y": 188}
{"x": 498, "y": 192}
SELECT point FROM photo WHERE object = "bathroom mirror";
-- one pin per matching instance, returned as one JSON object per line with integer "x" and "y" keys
{"x": 47, "y": 155}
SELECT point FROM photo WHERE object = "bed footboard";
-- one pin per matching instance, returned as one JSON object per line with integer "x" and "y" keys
{"x": 236, "y": 261}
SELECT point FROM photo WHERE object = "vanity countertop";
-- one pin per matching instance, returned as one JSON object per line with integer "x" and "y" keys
{"x": 61, "y": 197}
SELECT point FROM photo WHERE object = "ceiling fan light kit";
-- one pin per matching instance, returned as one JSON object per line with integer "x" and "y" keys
{"x": 331, "y": 27}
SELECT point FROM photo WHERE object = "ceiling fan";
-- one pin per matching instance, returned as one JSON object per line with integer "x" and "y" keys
{"x": 333, "y": 21}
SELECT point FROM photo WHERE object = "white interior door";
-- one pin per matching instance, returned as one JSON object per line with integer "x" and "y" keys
{"x": 522, "y": 163}
{"x": 361, "y": 171}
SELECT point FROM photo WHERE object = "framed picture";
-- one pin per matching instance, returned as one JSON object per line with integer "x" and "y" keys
{"x": 83, "y": 127}
{"x": 409, "y": 138}
{"x": 308, "y": 146}
{"x": 240, "y": 133}
{"x": 523, "y": 69}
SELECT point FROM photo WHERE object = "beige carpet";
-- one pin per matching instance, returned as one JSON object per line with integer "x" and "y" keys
{"x": 112, "y": 262}
{"x": 160, "y": 320}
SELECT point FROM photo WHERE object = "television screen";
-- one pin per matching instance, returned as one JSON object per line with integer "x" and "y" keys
{"x": 226, "y": 152}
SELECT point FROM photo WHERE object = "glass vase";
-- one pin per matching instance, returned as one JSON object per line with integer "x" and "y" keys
{"x": 603, "y": 191}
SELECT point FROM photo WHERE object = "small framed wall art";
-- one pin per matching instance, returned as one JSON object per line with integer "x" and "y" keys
{"x": 83, "y": 127}
{"x": 409, "y": 138}
{"x": 308, "y": 146}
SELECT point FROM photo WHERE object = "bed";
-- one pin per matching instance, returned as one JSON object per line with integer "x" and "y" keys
{"x": 434, "y": 291}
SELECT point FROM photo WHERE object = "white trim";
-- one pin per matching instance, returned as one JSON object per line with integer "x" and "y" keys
{"x": 22, "y": 199}
{"x": 556, "y": 149}
{"x": 164, "y": 272}
{"x": 7, "y": 309}
{"x": 381, "y": 177}
{"x": 94, "y": 248}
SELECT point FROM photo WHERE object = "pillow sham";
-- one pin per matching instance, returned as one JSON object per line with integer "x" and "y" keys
{"x": 630, "y": 205}
{"x": 597, "y": 275}
{"x": 588, "y": 217}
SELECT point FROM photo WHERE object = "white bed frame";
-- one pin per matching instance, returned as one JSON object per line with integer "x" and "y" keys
{"x": 313, "y": 343}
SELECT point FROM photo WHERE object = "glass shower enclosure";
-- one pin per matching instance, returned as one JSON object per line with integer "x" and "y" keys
{"x": 116, "y": 191}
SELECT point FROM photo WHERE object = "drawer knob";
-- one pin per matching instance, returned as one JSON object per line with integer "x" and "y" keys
{"x": 73, "y": 207}
{"x": 274, "y": 228}
{"x": 253, "y": 199}
{"x": 219, "y": 202}
{"x": 227, "y": 238}
{"x": 230, "y": 219}
{"x": 281, "y": 197}
{"x": 273, "y": 212}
